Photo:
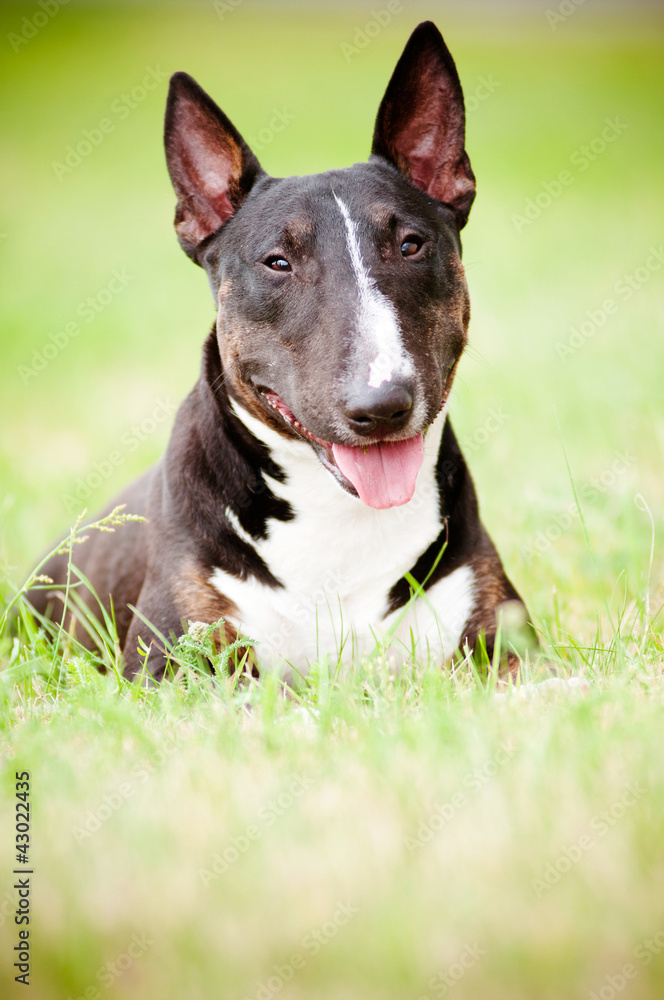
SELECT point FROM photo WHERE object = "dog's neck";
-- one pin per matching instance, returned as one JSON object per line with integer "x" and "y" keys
{"x": 251, "y": 497}
{"x": 307, "y": 485}
{"x": 335, "y": 542}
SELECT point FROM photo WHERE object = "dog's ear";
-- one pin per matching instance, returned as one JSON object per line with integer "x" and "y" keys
{"x": 421, "y": 122}
{"x": 211, "y": 166}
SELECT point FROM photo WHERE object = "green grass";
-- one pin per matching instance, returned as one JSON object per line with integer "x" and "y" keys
{"x": 138, "y": 794}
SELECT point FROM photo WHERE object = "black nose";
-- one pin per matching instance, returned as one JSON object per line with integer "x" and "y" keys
{"x": 385, "y": 408}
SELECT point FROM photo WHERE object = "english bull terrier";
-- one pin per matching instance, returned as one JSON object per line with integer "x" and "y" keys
{"x": 313, "y": 479}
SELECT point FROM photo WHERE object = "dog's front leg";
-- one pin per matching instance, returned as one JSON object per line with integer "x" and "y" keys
{"x": 466, "y": 609}
{"x": 156, "y": 607}
{"x": 168, "y": 602}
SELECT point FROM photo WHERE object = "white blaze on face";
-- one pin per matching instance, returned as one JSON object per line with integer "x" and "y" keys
{"x": 377, "y": 322}
{"x": 380, "y": 370}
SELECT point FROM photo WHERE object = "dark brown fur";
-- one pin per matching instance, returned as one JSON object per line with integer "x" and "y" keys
{"x": 293, "y": 335}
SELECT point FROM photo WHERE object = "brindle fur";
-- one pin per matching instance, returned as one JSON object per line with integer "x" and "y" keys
{"x": 296, "y": 337}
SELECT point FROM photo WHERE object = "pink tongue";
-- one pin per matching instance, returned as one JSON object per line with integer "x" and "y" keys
{"x": 384, "y": 475}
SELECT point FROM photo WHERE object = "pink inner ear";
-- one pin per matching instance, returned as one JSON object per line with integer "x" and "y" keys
{"x": 208, "y": 165}
{"x": 431, "y": 143}
{"x": 419, "y": 151}
{"x": 205, "y": 165}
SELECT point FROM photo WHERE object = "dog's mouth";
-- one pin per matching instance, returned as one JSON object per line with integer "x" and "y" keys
{"x": 381, "y": 474}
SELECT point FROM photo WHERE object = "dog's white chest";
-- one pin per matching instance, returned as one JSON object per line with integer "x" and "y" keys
{"x": 337, "y": 560}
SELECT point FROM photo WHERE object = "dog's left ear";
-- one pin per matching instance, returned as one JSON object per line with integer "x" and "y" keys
{"x": 211, "y": 166}
{"x": 421, "y": 122}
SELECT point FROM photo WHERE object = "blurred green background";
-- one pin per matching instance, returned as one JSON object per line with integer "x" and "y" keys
{"x": 540, "y": 87}
{"x": 564, "y": 255}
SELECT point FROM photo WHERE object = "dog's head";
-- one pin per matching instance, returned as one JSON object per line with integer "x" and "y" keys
{"x": 343, "y": 306}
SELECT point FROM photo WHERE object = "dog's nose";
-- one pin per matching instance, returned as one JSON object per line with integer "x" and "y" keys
{"x": 385, "y": 408}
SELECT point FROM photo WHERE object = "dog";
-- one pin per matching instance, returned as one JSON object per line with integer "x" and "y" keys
{"x": 313, "y": 494}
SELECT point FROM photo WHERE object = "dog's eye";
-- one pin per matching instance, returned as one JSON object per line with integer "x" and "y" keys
{"x": 278, "y": 264}
{"x": 410, "y": 246}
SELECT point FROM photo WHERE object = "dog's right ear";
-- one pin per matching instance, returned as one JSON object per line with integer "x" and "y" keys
{"x": 211, "y": 166}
